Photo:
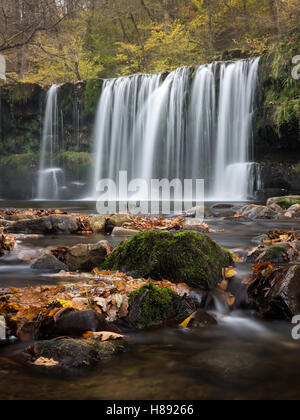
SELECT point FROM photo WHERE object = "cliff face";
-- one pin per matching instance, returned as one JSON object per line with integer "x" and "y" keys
{"x": 276, "y": 132}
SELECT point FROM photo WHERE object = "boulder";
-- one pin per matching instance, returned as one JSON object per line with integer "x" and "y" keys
{"x": 98, "y": 223}
{"x": 284, "y": 201}
{"x": 202, "y": 319}
{"x": 254, "y": 211}
{"x": 295, "y": 207}
{"x": 119, "y": 231}
{"x": 276, "y": 254}
{"x": 66, "y": 354}
{"x": 46, "y": 225}
{"x": 280, "y": 298}
{"x": 70, "y": 323}
{"x": 85, "y": 257}
{"x": 193, "y": 226}
{"x": 49, "y": 263}
{"x": 185, "y": 257}
{"x": 153, "y": 306}
{"x": 117, "y": 220}
{"x": 193, "y": 212}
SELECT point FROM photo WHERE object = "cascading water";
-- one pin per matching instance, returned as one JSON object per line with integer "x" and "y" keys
{"x": 116, "y": 146}
{"x": 185, "y": 126}
{"x": 49, "y": 173}
{"x": 238, "y": 83}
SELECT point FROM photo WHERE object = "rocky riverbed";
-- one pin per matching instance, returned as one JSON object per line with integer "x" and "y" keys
{"x": 78, "y": 290}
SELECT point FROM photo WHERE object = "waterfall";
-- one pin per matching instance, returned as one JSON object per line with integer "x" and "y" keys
{"x": 194, "y": 123}
{"x": 117, "y": 137}
{"x": 49, "y": 173}
{"x": 238, "y": 83}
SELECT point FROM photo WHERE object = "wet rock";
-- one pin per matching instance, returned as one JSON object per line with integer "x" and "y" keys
{"x": 68, "y": 354}
{"x": 152, "y": 306}
{"x": 70, "y": 323}
{"x": 279, "y": 299}
{"x": 186, "y": 257}
{"x": 5, "y": 223}
{"x": 17, "y": 217}
{"x": 261, "y": 238}
{"x": 85, "y": 257}
{"x": 254, "y": 211}
{"x": 46, "y": 225}
{"x": 202, "y": 319}
{"x": 49, "y": 263}
{"x": 197, "y": 211}
{"x": 117, "y": 220}
{"x": 224, "y": 210}
{"x": 275, "y": 207}
{"x": 284, "y": 201}
{"x": 98, "y": 223}
{"x": 276, "y": 254}
{"x": 194, "y": 227}
{"x": 295, "y": 207}
{"x": 119, "y": 231}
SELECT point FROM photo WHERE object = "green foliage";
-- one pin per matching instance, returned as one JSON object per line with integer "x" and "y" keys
{"x": 186, "y": 257}
{"x": 20, "y": 163}
{"x": 282, "y": 90}
{"x": 288, "y": 202}
{"x": 91, "y": 96}
{"x": 108, "y": 39}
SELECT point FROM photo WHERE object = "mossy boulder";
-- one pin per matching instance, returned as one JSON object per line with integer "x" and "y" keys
{"x": 187, "y": 257}
{"x": 155, "y": 306}
{"x": 66, "y": 354}
{"x": 276, "y": 254}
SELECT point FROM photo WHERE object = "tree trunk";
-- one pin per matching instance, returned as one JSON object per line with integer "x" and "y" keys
{"x": 246, "y": 16}
{"x": 210, "y": 27}
{"x": 274, "y": 10}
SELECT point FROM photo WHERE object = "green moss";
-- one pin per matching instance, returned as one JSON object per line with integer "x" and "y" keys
{"x": 188, "y": 257}
{"x": 22, "y": 93}
{"x": 276, "y": 254}
{"x": 157, "y": 304}
{"x": 281, "y": 89}
{"x": 288, "y": 202}
{"x": 79, "y": 161}
{"x": 20, "y": 163}
{"x": 91, "y": 96}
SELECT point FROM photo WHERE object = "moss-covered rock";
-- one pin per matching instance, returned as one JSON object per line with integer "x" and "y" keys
{"x": 67, "y": 354}
{"x": 154, "y": 306}
{"x": 188, "y": 257}
{"x": 276, "y": 254}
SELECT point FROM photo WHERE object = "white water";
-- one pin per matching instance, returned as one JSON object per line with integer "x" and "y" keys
{"x": 48, "y": 177}
{"x": 176, "y": 128}
{"x": 238, "y": 83}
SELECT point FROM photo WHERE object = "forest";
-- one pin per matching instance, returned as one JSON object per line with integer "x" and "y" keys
{"x": 56, "y": 41}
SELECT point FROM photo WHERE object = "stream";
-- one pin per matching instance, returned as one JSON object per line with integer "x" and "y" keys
{"x": 242, "y": 358}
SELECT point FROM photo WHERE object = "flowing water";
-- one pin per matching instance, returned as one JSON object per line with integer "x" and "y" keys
{"x": 242, "y": 357}
{"x": 49, "y": 174}
{"x": 185, "y": 125}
